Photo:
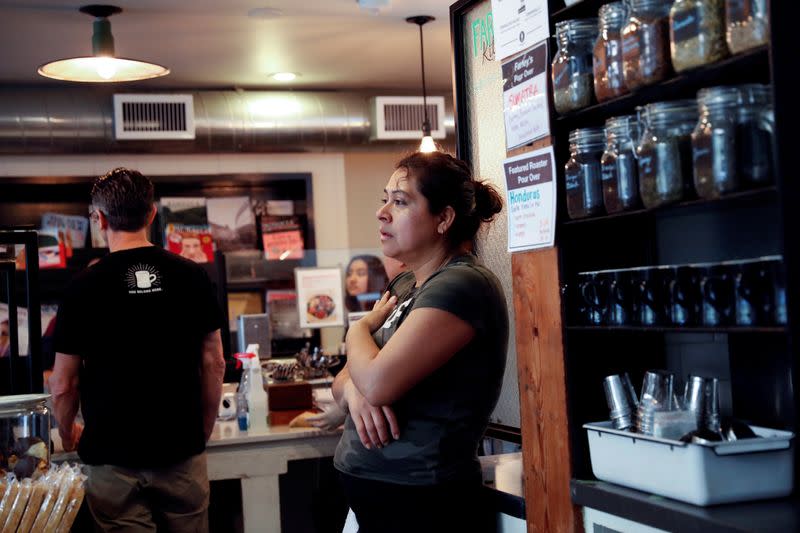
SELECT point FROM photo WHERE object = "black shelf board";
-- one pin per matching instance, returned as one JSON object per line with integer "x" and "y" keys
{"x": 721, "y": 201}
{"x": 748, "y": 67}
{"x": 583, "y": 9}
{"x": 683, "y": 329}
{"x": 777, "y": 515}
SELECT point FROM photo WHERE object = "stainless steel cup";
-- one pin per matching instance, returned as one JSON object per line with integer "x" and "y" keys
{"x": 621, "y": 399}
{"x": 702, "y": 398}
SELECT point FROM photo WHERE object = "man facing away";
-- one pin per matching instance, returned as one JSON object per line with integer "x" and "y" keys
{"x": 138, "y": 347}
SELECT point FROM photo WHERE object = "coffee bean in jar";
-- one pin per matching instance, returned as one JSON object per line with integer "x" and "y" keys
{"x": 582, "y": 173}
{"x": 747, "y": 24}
{"x": 609, "y": 80}
{"x": 714, "y": 143}
{"x": 697, "y": 33}
{"x": 618, "y": 165}
{"x": 572, "y": 65}
{"x": 665, "y": 152}
{"x": 645, "y": 43}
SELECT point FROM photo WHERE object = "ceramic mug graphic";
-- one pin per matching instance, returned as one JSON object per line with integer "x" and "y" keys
{"x": 144, "y": 279}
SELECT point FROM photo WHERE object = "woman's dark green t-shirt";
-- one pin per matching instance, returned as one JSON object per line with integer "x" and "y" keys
{"x": 442, "y": 419}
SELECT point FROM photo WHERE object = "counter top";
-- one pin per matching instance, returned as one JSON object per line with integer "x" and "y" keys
{"x": 227, "y": 432}
{"x": 502, "y": 478}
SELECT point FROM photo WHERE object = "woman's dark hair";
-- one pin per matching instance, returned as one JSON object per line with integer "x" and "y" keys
{"x": 444, "y": 180}
{"x": 125, "y": 197}
{"x": 377, "y": 280}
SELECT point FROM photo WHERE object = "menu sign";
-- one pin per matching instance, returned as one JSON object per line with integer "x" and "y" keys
{"x": 320, "y": 302}
{"x": 525, "y": 108}
{"x": 531, "y": 200}
{"x": 518, "y": 24}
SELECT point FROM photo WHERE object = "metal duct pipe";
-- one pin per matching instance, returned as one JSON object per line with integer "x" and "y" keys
{"x": 79, "y": 120}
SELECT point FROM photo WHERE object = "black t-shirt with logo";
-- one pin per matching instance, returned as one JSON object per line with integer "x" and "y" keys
{"x": 137, "y": 320}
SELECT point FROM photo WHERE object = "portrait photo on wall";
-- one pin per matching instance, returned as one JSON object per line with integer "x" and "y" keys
{"x": 191, "y": 243}
{"x": 365, "y": 280}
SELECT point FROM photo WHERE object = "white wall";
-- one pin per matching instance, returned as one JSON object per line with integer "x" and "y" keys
{"x": 328, "y": 183}
{"x": 327, "y": 171}
{"x": 366, "y": 176}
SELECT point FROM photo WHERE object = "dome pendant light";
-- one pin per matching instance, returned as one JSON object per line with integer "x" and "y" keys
{"x": 427, "y": 145}
{"x": 103, "y": 66}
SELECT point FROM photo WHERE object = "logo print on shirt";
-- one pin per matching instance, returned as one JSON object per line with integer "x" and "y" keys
{"x": 143, "y": 279}
{"x": 396, "y": 313}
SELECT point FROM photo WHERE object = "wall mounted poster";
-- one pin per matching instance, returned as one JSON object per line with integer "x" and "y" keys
{"x": 186, "y": 229}
{"x": 233, "y": 226}
{"x": 320, "y": 301}
{"x": 518, "y": 25}
{"x": 282, "y": 237}
{"x": 531, "y": 200}
{"x": 525, "y": 108}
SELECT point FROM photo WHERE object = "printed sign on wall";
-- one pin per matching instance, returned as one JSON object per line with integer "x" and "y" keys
{"x": 519, "y": 24}
{"x": 525, "y": 107}
{"x": 531, "y": 200}
{"x": 320, "y": 301}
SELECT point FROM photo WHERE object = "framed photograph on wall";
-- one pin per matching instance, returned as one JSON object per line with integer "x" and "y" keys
{"x": 320, "y": 298}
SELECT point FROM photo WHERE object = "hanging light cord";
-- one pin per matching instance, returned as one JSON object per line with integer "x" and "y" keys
{"x": 426, "y": 124}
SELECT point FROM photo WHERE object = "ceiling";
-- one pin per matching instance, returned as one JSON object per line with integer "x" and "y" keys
{"x": 215, "y": 44}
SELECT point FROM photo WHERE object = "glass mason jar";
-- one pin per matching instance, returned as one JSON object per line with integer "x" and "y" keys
{"x": 645, "y": 43}
{"x": 747, "y": 24}
{"x": 754, "y": 142}
{"x": 572, "y": 65}
{"x": 618, "y": 165}
{"x": 609, "y": 80}
{"x": 665, "y": 152}
{"x": 582, "y": 172}
{"x": 714, "y": 143}
{"x": 697, "y": 33}
{"x": 24, "y": 434}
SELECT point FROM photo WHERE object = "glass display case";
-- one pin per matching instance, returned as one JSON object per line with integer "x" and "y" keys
{"x": 24, "y": 434}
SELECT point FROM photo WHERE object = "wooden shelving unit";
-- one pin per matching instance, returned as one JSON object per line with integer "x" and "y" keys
{"x": 561, "y": 364}
{"x": 750, "y": 223}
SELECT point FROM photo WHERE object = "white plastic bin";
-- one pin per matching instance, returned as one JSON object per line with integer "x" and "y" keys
{"x": 725, "y": 472}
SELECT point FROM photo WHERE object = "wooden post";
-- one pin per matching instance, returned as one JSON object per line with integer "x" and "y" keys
{"x": 542, "y": 393}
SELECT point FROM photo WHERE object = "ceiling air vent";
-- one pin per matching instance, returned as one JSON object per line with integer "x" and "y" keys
{"x": 401, "y": 117}
{"x": 153, "y": 116}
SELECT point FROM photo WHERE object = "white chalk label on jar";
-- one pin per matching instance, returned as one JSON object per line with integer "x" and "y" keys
{"x": 609, "y": 172}
{"x": 573, "y": 180}
{"x": 685, "y": 25}
{"x": 630, "y": 47}
{"x": 701, "y": 155}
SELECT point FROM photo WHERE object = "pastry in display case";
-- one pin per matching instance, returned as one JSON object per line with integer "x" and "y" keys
{"x": 34, "y": 495}
{"x": 24, "y": 435}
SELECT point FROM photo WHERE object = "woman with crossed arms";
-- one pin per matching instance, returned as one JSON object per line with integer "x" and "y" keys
{"x": 425, "y": 366}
